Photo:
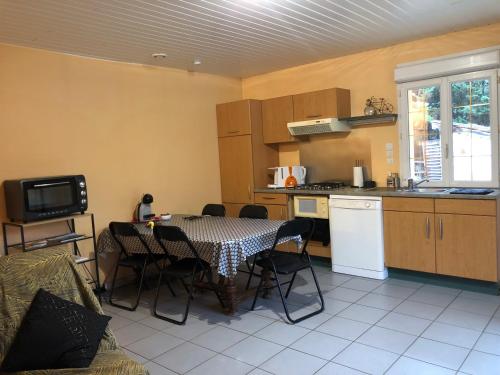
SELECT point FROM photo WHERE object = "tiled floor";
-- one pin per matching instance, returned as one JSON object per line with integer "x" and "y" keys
{"x": 369, "y": 326}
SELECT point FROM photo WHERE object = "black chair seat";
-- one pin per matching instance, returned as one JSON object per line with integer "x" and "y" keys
{"x": 184, "y": 267}
{"x": 285, "y": 263}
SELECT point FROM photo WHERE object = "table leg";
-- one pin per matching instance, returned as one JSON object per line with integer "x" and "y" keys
{"x": 267, "y": 283}
{"x": 230, "y": 294}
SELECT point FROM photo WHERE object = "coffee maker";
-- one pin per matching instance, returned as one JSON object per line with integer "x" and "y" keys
{"x": 143, "y": 210}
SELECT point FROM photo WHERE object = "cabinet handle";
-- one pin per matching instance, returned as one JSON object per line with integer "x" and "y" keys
{"x": 312, "y": 116}
{"x": 249, "y": 193}
{"x": 233, "y": 132}
{"x": 441, "y": 229}
{"x": 268, "y": 198}
{"x": 427, "y": 228}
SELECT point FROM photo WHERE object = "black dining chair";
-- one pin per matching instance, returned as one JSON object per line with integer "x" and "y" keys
{"x": 252, "y": 211}
{"x": 214, "y": 210}
{"x": 127, "y": 236}
{"x": 181, "y": 269}
{"x": 289, "y": 263}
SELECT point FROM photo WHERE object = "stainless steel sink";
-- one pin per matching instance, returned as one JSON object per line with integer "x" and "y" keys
{"x": 425, "y": 191}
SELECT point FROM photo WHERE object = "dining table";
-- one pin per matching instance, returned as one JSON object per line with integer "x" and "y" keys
{"x": 224, "y": 242}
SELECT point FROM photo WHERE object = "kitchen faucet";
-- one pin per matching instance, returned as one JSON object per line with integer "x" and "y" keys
{"x": 412, "y": 185}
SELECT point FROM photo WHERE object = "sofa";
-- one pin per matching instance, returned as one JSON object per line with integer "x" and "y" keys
{"x": 53, "y": 269}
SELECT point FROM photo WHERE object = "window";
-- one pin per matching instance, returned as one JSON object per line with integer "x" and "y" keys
{"x": 449, "y": 130}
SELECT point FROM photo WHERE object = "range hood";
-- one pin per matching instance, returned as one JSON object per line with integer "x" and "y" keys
{"x": 318, "y": 126}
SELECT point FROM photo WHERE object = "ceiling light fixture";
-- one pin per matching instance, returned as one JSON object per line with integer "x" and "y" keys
{"x": 159, "y": 55}
{"x": 197, "y": 62}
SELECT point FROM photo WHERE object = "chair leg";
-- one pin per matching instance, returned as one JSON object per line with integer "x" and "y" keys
{"x": 186, "y": 311}
{"x": 139, "y": 291}
{"x": 290, "y": 285}
{"x": 210, "y": 280}
{"x": 283, "y": 300}
{"x": 257, "y": 293}
{"x": 251, "y": 275}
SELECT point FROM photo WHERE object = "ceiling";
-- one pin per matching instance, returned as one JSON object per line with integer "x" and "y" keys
{"x": 237, "y": 38}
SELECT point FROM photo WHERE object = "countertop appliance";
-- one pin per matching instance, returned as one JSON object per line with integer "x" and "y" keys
{"x": 356, "y": 229}
{"x": 289, "y": 176}
{"x": 318, "y": 126}
{"x": 32, "y": 199}
{"x": 316, "y": 208}
{"x": 143, "y": 210}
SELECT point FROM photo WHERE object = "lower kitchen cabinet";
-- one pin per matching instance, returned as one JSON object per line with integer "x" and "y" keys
{"x": 466, "y": 246}
{"x": 409, "y": 240}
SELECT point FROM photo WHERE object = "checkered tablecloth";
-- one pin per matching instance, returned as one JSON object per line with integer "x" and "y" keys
{"x": 224, "y": 242}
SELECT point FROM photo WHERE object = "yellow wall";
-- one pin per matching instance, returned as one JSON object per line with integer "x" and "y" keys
{"x": 366, "y": 74}
{"x": 128, "y": 128}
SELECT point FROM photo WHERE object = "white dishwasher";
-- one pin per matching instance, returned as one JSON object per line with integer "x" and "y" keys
{"x": 357, "y": 240}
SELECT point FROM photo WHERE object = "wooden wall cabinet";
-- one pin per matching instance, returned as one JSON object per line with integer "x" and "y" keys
{"x": 455, "y": 237}
{"x": 243, "y": 157}
{"x": 333, "y": 102}
{"x": 276, "y": 113}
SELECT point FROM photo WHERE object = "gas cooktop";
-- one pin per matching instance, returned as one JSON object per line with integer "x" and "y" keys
{"x": 328, "y": 185}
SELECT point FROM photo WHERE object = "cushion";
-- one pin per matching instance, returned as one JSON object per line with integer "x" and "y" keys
{"x": 55, "y": 333}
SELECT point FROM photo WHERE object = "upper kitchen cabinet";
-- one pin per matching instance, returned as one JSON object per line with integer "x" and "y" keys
{"x": 236, "y": 118}
{"x": 322, "y": 104}
{"x": 276, "y": 113}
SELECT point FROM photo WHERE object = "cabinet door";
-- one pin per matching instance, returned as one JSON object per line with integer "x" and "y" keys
{"x": 321, "y": 104}
{"x": 236, "y": 169}
{"x": 276, "y": 113}
{"x": 277, "y": 212}
{"x": 466, "y": 246}
{"x": 409, "y": 240}
{"x": 234, "y": 118}
{"x": 233, "y": 209}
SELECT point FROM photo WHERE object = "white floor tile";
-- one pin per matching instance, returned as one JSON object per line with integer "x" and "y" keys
{"x": 362, "y": 313}
{"x": 219, "y": 338}
{"x": 334, "y": 279}
{"x": 488, "y": 343}
{"x": 493, "y": 326}
{"x": 344, "y": 328}
{"x": 320, "y": 345}
{"x": 334, "y": 306}
{"x": 345, "y": 294}
{"x": 246, "y": 323}
{"x": 451, "y": 334}
{"x": 474, "y": 306}
{"x": 253, "y": 350}
{"x": 156, "y": 369}
{"x": 405, "y": 283}
{"x": 392, "y": 290}
{"x": 464, "y": 319}
{"x": 282, "y": 333}
{"x": 380, "y": 301}
{"x": 365, "y": 358}
{"x": 154, "y": 322}
{"x": 152, "y": 346}
{"x": 365, "y": 285}
{"x": 190, "y": 330}
{"x": 258, "y": 371}
{"x": 134, "y": 356}
{"x": 437, "y": 353}
{"x": 404, "y": 323}
{"x": 440, "y": 289}
{"x": 336, "y": 369}
{"x": 387, "y": 339}
{"x": 419, "y": 309}
{"x": 314, "y": 321}
{"x": 410, "y": 366}
{"x": 133, "y": 332}
{"x": 292, "y": 362}
{"x": 118, "y": 322}
{"x": 184, "y": 357}
{"x": 481, "y": 296}
{"x": 432, "y": 298}
{"x": 221, "y": 364}
{"x": 478, "y": 363}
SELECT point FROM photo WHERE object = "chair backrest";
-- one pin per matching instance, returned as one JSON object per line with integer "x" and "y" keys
{"x": 253, "y": 211}
{"x": 214, "y": 210}
{"x": 303, "y": 227}
{"x": 122, "y": 232}
{"x": 169, "y": 233}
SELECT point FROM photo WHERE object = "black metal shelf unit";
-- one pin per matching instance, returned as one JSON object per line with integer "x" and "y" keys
{"x": 44, "y": 243}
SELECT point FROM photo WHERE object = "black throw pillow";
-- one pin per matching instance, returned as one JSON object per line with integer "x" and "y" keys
{"x": 55, "y": 333}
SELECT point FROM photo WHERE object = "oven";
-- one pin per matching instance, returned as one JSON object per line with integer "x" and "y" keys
{"x": 315, "y": 207}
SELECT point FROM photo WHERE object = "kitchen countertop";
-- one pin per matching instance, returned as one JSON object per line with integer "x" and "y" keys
{"x": 379, "y": 192}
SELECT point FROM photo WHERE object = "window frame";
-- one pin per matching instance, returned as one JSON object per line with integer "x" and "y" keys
{"x": 446, "y": 127}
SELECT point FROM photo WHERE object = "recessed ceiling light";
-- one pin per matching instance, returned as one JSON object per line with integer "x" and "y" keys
{"x": 159, "y": 55}
{"x": 197, "y": 62}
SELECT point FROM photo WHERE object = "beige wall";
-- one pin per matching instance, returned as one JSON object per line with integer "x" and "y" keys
{"x": 128, "y": 128}
{"x": 365, "y": 74}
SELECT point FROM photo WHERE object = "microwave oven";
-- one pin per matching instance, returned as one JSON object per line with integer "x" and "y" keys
{"x": 310, "y": 206}
{"x": 45, "y": 197}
